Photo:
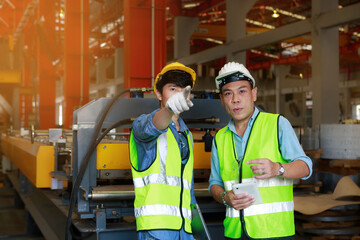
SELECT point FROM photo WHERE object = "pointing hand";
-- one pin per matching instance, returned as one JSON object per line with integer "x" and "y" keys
{"x": 179, "y": 102}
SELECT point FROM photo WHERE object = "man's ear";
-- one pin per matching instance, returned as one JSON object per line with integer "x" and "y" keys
{"x": 158, "y": 95}
{"x": 222, "y": 100}
{"x": 254, "y": 93}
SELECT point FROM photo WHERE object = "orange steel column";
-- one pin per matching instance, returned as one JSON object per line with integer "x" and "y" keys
{"x": 46, "y": 79}
{"x": 76, "y": 58}
{"x": 26, "y": 97}
{"x": 26, "y": 100}
{"x": 138, "y": 41}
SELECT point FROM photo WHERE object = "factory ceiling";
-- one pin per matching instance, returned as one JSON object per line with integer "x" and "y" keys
{"x": 106, "y": 26}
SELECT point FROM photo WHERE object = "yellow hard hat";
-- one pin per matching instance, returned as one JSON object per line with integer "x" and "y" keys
{"x": 175, "y": 66}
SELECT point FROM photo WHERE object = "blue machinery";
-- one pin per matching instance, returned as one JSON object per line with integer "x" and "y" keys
{"x": 104, "y": 208}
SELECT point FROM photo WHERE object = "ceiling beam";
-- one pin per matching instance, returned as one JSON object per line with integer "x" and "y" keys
{"x": 325, "y": 20}
{"x": 5, "y": 105}
{"x": 339, "y": 17}
{"x": 204, "y": 7}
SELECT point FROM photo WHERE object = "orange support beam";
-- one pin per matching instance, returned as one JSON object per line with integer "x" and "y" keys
{"x": 138, "y": 41}
{"x": 26, "y": 98}
{"x": 76, "y": 58}
{"x": 284, "y": 61}
{"x": 46, "y": 80}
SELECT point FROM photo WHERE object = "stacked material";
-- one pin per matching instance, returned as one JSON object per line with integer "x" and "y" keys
{"x": 335, "y": 214}
{"x": 340, "y": 141}
{"x": 346, "y": 193}
{"x": 310, "y": 139}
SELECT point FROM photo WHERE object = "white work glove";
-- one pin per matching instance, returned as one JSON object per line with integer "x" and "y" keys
{"x": 179, "y": 102}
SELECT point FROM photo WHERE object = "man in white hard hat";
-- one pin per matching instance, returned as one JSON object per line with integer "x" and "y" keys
{"x": 161, "y": 155}
{"x": 254, "y": 147}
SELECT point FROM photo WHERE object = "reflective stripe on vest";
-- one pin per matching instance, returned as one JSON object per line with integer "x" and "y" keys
{"x": 162, "y": 179}
{"x": 159, "y": 209}
{"x": 262, "y": 209}
{"x": 158, "y": 189}
{"x": 270, "y": 182}
{"x": 274, "y": 217}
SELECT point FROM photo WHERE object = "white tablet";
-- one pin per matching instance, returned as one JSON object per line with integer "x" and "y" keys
{"x": 249, "y": 188}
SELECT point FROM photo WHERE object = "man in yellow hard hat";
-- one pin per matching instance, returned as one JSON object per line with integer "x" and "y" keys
{"x": 161, "y": 155}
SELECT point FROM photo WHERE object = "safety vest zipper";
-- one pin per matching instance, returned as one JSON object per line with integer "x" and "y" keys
{"x": 242, "y": 220}
{"x": 181, "y": 195}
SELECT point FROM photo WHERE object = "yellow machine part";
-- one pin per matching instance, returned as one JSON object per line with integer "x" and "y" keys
{"x": 112, "y": 156}
{"x": 10, "y": 77}
{"x": 201, "y": 158}
{"x": 116, "y": 156}
{"x": 34, "y": 160}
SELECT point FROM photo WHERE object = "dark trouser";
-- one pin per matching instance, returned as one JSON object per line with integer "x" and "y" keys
{"x": 244, "y": 237}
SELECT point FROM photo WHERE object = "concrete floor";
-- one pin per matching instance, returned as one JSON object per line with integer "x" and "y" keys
{"x": 13, "y": 216}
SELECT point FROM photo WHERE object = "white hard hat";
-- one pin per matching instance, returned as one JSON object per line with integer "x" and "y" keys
{"x": 231, "y": 72}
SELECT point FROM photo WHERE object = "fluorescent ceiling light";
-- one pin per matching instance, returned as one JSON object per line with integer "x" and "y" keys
{"x": 2, "y": 20}
{"x": 341, "y": 29}
{"x": 191, "y": 5}
{"x": 257, "y": 23}
{"x": 10, "y": 3}
{"x": 214, "y": 40}
{"x": 264, "y": 53}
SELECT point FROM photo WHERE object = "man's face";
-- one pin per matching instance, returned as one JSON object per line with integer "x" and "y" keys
{"x": 238, "y": 100}
{"x": 169, "y": 89}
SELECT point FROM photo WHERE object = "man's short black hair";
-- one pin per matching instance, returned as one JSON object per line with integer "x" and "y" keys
{"x": 178, "y": 77}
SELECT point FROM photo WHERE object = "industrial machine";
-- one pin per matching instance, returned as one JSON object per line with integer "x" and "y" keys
{"x": 81, "y": 178}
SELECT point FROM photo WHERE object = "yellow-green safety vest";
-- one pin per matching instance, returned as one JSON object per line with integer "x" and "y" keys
{"x": 274, "y": 218}
{"x": 162, "y": 191}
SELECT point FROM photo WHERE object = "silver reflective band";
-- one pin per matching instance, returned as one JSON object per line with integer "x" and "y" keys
{"x": 269, "y": 208}
{"x": 269, "y": 182}
{"x": 160, "y": 209}
{"x": 262, "y": 209}
{"x": 161, "y": 179}
{"x": 163, "y": 152}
